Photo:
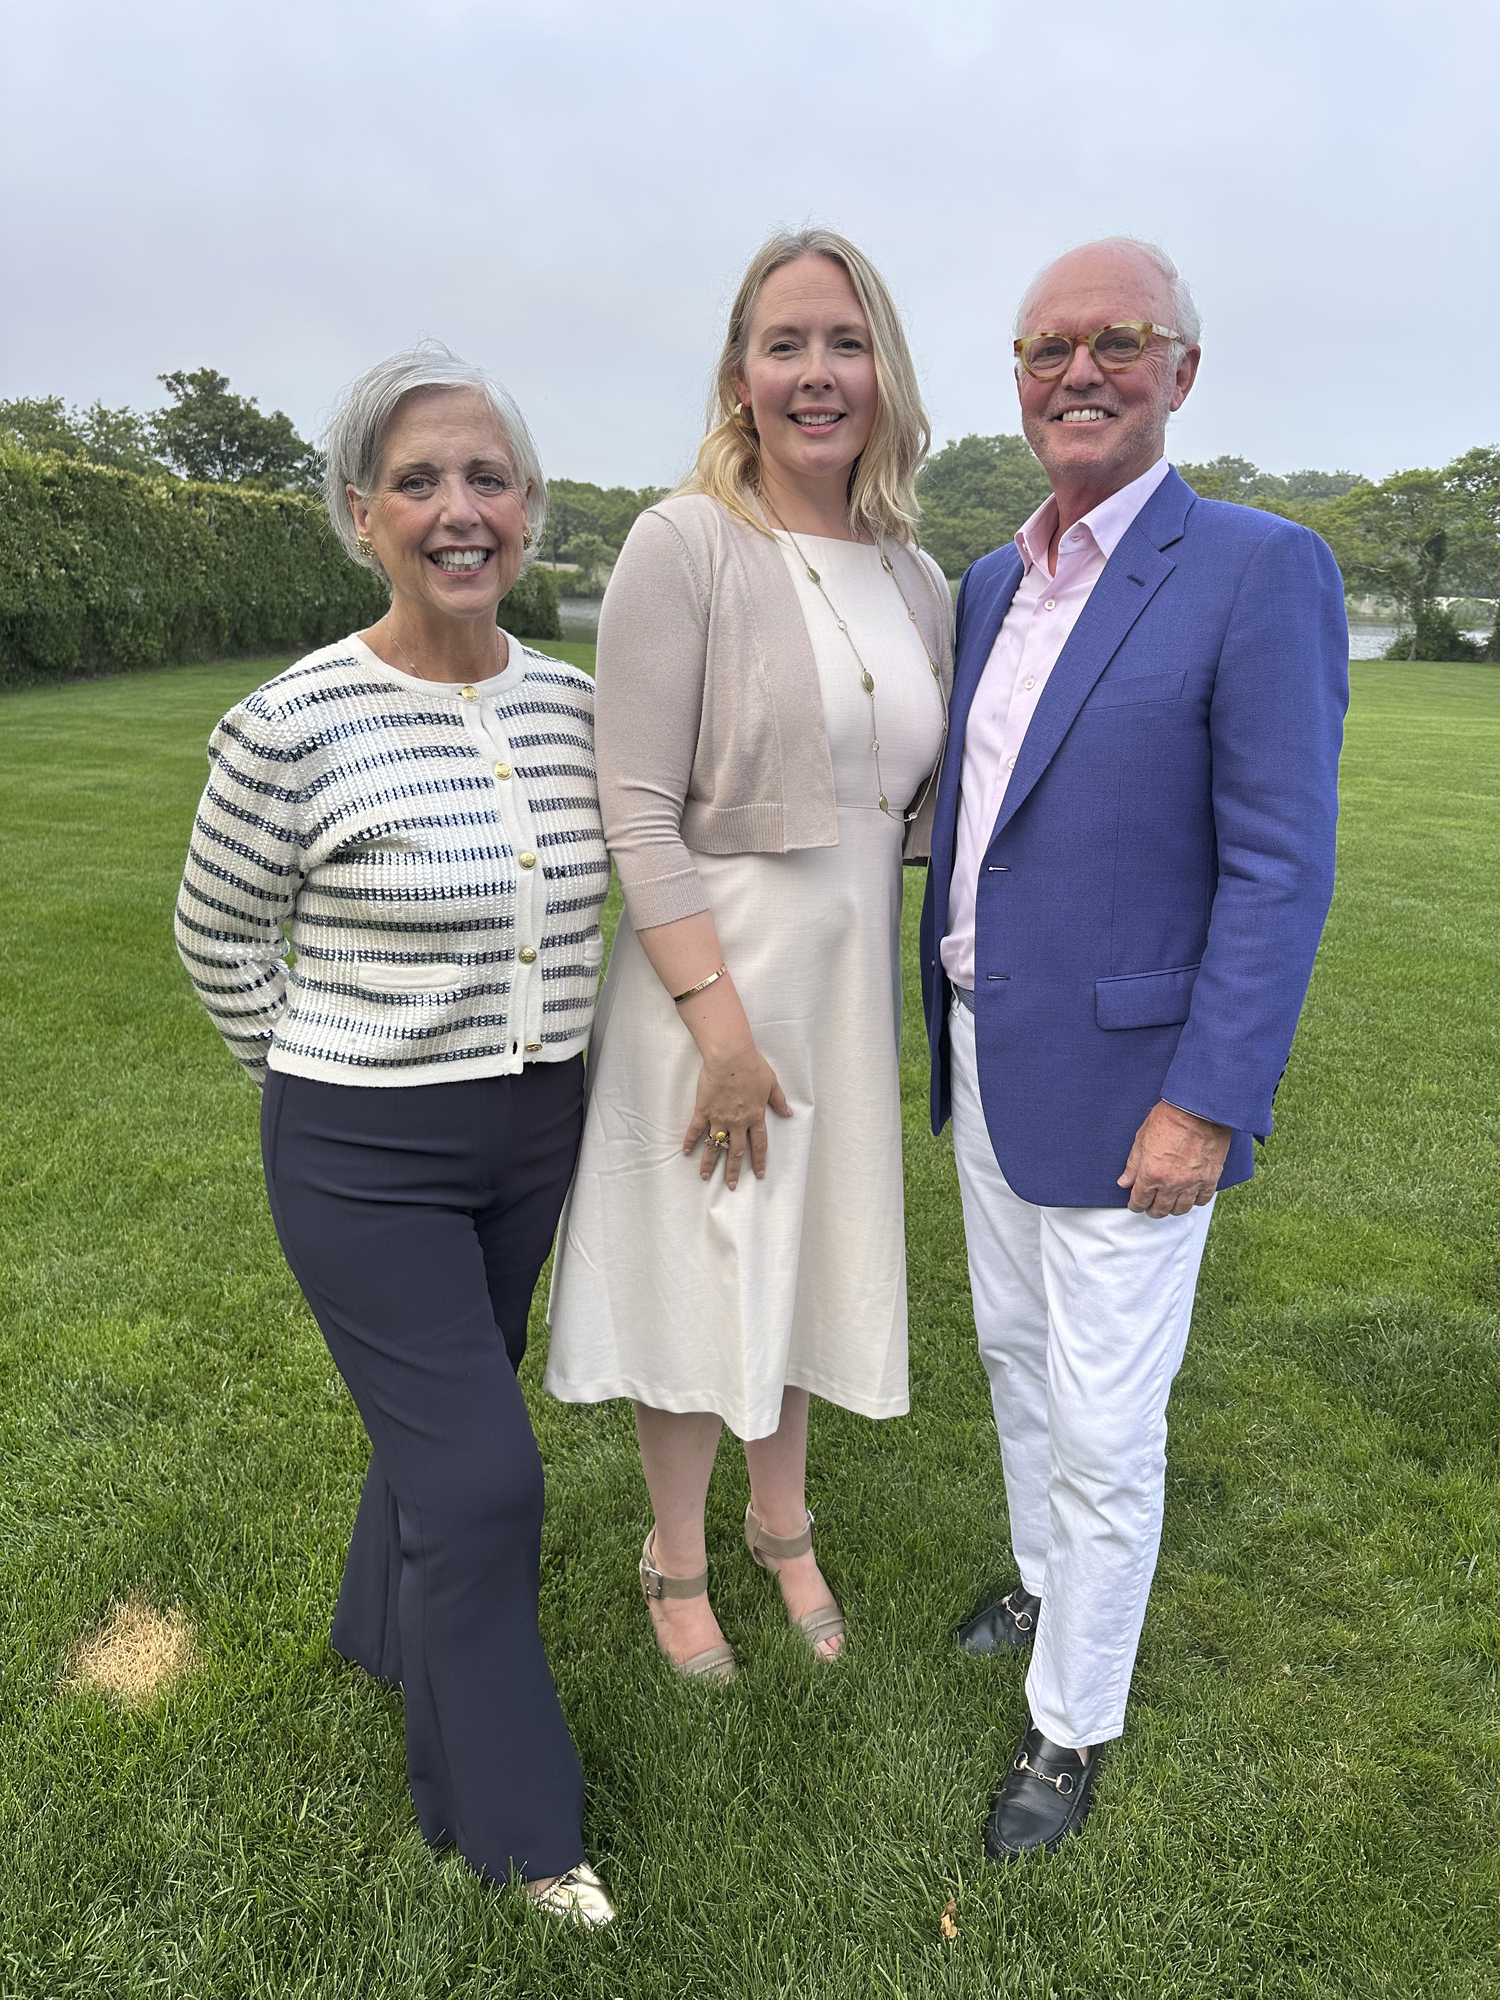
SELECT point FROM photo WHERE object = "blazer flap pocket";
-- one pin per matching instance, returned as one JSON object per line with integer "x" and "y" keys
{"x": 1131, "y": 688}
{"x": 425, "y": 977}
{"x": 1145, "y": 999}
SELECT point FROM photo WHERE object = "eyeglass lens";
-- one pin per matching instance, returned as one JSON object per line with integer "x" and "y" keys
{"x": 1115, "y": 347}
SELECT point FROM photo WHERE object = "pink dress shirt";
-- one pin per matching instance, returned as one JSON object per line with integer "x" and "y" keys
{"x": 1032, "y": 634}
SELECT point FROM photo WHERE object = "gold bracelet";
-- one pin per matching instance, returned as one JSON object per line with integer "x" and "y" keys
{"x": 677, "y": 998}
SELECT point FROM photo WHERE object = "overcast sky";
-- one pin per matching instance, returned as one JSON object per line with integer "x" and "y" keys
{"x": 567, "y": 192}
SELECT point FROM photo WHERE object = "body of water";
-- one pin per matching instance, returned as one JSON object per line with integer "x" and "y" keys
{"x": 1371, "y": 642}
{"x": 579, "y": 617}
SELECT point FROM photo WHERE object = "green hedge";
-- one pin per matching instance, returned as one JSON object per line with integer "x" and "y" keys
{"x": 105, "y": 571}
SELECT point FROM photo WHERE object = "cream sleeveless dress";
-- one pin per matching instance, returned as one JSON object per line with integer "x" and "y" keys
{"x": 681, "y": 1294}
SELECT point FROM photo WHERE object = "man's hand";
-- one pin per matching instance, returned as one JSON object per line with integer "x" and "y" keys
{"x": 1175, "y": 1162}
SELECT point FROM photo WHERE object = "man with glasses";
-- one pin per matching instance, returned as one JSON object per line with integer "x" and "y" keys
{"x": 1131, "y": 865}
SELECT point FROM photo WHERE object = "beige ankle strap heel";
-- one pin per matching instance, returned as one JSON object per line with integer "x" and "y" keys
{"x": 827, "y": 1622}
{"x": 717, "y": 1662}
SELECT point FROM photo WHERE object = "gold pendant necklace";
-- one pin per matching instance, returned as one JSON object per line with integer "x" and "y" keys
{"x": 867, "y": 679}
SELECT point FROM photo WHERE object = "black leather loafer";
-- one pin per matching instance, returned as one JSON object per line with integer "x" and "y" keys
{"x": 1044, "y": 1800}
{"x": 1003, "y": 1627}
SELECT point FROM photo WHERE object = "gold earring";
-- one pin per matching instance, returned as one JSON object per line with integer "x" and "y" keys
{"x": 526, "y": 538}
{"x": 365, "y": 546}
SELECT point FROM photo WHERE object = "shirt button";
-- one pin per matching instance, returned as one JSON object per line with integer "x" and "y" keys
{"x": 526, "y": 858}
{"x": 1030, "y": 681}
{"x": 1050, "y": 605}
{"x": 532, "y": 1047}
{"x": 502, "y": 770}
{"x": 526, "y": 954}
{"x": 1010, "y": 763}
{"x": 469, "y": 694}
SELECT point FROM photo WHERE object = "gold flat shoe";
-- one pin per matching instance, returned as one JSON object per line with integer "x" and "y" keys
{"x": 577, "y": 1897}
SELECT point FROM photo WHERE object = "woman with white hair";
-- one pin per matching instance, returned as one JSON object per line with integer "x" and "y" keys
{"x": 417, "y": 806}
{"x": 774, "y": 660}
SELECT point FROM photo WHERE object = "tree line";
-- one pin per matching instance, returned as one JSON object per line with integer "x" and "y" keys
{"x": 1418, "y": 539}
{"x": 204, "y": 432}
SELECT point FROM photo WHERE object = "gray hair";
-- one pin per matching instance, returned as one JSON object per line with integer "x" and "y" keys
{"x": 1184, "y": 312}
{"x": 354, "y": 440}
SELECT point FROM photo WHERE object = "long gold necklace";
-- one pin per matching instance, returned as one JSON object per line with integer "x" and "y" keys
{"x": 867, "y": 679}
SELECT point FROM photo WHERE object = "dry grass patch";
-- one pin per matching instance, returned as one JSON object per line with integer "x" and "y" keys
{"x": 134, "y": 1654}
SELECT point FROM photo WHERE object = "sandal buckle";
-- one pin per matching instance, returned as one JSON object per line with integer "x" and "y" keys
{"x": 653, "y": 1583}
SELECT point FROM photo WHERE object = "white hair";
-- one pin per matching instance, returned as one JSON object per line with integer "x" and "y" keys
{"x": 1184, "y": 312}
{"x": 354, "y": 440}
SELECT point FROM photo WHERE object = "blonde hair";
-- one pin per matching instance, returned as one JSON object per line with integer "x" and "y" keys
{"x": 882, "y": 487}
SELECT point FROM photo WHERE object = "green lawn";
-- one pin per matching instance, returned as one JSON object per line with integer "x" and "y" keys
{"x": 1304, "y": 1803}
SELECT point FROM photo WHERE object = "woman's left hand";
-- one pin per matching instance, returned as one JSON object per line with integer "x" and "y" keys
{"x": 736, "y": 1082}
{"x": 734, "y": 1090}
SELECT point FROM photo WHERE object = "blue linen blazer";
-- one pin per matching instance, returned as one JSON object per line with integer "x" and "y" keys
{"x": 1157, "y": 879}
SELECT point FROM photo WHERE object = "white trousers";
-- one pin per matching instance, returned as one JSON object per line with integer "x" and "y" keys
{"x": 1082, "y": 1316}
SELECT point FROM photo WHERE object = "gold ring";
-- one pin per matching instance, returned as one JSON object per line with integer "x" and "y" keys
{"x": 721, "y": 1138}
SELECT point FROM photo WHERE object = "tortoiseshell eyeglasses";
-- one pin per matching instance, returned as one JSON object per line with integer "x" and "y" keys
{"x": 1115, "y": 348}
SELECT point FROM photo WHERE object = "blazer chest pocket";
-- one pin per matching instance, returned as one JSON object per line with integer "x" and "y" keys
{"x": 1130, "y": 689}
{"x": 1145, "y": 999}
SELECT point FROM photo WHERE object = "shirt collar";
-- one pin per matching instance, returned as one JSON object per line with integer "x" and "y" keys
{"x": 1106, "y": 523}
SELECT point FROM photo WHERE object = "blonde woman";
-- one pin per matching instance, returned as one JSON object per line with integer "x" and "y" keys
{"x": 774, "y": 660}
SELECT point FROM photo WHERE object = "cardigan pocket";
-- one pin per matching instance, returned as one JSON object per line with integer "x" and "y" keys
{"x": 429, "y": 980}
{"x": 1145, "y": 999}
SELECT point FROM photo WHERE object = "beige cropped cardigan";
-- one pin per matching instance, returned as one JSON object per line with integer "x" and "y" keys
{"x": 708, "y": 720}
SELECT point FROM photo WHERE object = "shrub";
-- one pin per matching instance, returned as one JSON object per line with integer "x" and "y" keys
{"x": 1435, "y": 636}
{"x": 104, "y": 570}
{"x": 529, "y": 609}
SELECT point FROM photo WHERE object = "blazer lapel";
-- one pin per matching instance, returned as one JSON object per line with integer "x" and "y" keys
{"x": 1131, "y": 578}
{"x": 984, "y": 607}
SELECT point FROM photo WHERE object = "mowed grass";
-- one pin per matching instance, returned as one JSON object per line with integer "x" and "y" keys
{"x": 1304, "y": 1802}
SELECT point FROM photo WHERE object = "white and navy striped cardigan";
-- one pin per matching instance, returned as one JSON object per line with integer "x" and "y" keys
{"x": 435, "y": 853}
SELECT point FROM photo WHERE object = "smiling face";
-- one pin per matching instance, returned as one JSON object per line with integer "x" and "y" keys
{"x": 809, "y": 376}
{"x": 1095, "y": 431}
{"x": 445, "y": 513}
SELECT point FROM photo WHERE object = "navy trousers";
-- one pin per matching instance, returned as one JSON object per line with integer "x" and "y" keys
{"x": 416, "y": 1222}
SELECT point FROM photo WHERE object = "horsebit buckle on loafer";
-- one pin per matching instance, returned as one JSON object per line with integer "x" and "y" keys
{"x": 1062, "y": 1784}
{"x": 1022, "y": 1620}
